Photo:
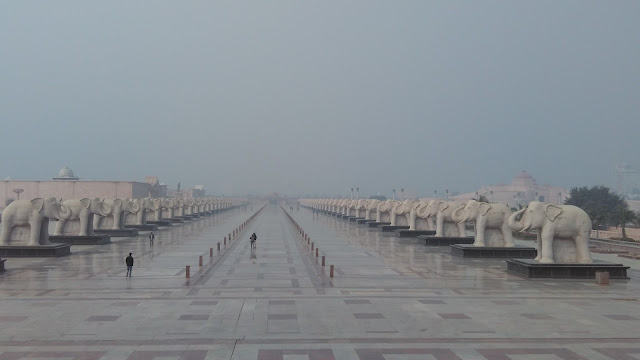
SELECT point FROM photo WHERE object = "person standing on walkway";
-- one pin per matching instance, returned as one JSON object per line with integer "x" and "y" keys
{"x": 129, "y": 261}
{"x": 253, "y": 240}
{"x": 151, "y": 238}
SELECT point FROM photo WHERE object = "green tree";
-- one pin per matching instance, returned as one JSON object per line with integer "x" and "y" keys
{"x": 602, "y": 205}
{"x": 622, "y": 217}
{"x": 482, "y": 198}
{"x": 8, "y": 201}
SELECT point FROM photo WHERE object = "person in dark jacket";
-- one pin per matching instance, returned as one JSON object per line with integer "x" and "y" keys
{"x": 151, "y": 238}
{"x": 129, "y": 261}
{"x": 253, "y": 240}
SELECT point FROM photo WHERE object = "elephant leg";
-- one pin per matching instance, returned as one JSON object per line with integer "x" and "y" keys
{"x": 393, "y": 219}
{"x": 84, "y": 224}
{"x": 44, "y": 233}
{"x": 480, "y": 227}
{"x": 6, "y": 232}
{"x": 547, "y": 245}
{"x": 96, "y": 222}
{"x": 59, "y": 227}
{"x": 439, "y": 226}
{"x": 538, "y": 246}
{"x": 507, "y": 235}
{"x": 412, "y": 221}
{"x": 582, "y": 248}
{"x": 36, "y": 228}
{"x": 462, "y": 230}
{"x": 117, "y": 220}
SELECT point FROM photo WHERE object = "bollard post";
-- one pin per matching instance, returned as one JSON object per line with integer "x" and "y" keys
{"x": 229, "y": 237}
{"x": 322, "y": 260}
{"x": 602, "y": 277}
{"x": 317, "y": 252}
{"x": 200, "y": 260}
{"x": 218, "y": 245}
{"x": 312, "y": 244}
{"x": 187, "y": 272}
{"x": 225, "y": 241}
{"x": 210, "y": 252}
{"x": 331, "y": 271}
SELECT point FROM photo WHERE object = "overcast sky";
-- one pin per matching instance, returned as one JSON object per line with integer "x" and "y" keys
{"x": 302, "y": 96}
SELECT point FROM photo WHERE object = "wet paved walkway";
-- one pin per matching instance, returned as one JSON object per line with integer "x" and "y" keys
{"x": 390, "y": 299}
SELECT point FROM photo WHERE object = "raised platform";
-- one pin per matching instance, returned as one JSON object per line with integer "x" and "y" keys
{"x": 404, "y": 233}
{"x": 364, "y": 221}
{"x": 376, "y": 224}
{"x": 390, "y": 228}
{"x": 117, "y": 232}
{"x": 355, "y": 219}
{"x": 53, "y": 250}
{"x": 176, "y": 220}
{"x": 80, "y": 240}
{"x": 145, "y": 227}
{"x": 532, "y": 269}
{"x": 160, "y": 223}
{"x": 446, "y": 240}
{"x": 470, "y": 251}
{"x": 2, "y": 269}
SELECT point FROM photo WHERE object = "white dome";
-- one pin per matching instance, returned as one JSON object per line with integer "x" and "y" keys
{"x": 65, "y": 172}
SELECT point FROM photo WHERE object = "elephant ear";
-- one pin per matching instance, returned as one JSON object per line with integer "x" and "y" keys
{"x": 443, "y": 206}
{"x": 117, "y": 202}
{"x": 85, "y": 202}
{"x": 484, "y": 208}
{"x": 37, "y": 204}
{"x": 552, "y": 211}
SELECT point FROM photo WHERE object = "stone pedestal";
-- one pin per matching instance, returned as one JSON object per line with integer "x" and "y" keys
{"x": 145, "y": 227}
{"x": 446, "y": 240}
{"x": 53, "y": 250}
{"x": 117, "y": 232}
{"x": 414, "y": 233}
{"x": 376, "y": 224}
{"x": 470, "y": 251}
{"x": 176, "y": 220}
{"x": 390, "y": 228}
{"x": 532, "y": 269}
{"x": 80, "y": 240}
{"x": 355, "y": 219}
{"x": 160, "y": 222}
{"x": 364, "y": 221}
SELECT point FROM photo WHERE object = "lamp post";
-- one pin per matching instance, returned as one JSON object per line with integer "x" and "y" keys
{"x": 491, "y": 195}
{"x": 477, "y": 196}
{"x": 351, "y": 193}
{"x": 18, "y": 192}
{"x": 436, "y": 193}
{"x": 394, "y": 194}
{"x": 402, "y": 194}
{"x": 358, "y": 193}
{"x": 447, "y": 191}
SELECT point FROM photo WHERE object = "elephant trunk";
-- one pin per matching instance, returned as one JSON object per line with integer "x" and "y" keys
{"x": 517, "y": 225}
{"x": 458, "y": 217}
{"x": 65, "y": 212}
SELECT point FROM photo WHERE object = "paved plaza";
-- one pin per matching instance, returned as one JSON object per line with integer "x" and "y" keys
{"x": 391, "y": 298}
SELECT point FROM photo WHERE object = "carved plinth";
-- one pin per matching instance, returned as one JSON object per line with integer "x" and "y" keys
{"x": 446, "y": 240}
{"x": 355, "y": 219}
{"x": 160, "y": 222}
{"x": 53, "y": 250}
{"x": 492, "y": 252}
{"x": 176, "y": 220}
{"x": 80, "y": 240}
{"x": 532, "y": 269}
{"x": 364, "y": 221}
{"x": 117, "y": 232}
{"x": 414, "y": 233}
{"x": 376, "y": 224}
{"x": 144, "y": 227}
{"x": 390, "y": 228}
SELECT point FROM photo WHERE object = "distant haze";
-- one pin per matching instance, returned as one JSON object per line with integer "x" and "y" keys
{"x": 316, "y": 97}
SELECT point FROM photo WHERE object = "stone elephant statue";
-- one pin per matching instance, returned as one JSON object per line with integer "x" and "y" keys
{"x": 384, "y": 210}
{"x": 413, "y": 217}
{"x": 82, "y": 212}
{"x": 119, "y": 208}
{"x": 492, "y": 222}
{"x": 371, "y": 206}
{"x": 563, "y": 231}
{"x": 144, "y": 205}
{"x": 445, "y": 224}
{"x": 34, "y": 214}
{"x": 360, "y": 207}
{"x": 403, "y": 209}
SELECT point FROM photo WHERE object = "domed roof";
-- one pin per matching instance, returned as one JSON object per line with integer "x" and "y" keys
{"x": 524, "y": 179}
{"x": 66, "y": 172}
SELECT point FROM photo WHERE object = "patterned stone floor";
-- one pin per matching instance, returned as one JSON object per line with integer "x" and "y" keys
{"x": 390, "y": 299}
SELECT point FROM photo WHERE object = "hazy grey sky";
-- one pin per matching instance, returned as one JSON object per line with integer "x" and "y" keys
{"x": 317, "y": 96}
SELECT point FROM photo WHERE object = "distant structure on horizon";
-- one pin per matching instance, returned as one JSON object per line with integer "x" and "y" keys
{"x": 627, "y": 181}
{"x": 523, "y": 189}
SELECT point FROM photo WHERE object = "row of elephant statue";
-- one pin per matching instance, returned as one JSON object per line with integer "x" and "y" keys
{"x": 28, "y": 220}
{"x": 562, "y": 230}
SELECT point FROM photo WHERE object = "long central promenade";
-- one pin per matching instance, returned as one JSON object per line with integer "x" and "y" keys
{"x": 390, "y": 299}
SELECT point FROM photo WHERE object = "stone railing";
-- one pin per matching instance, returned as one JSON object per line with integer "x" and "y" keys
{"x": 616, "y": 233}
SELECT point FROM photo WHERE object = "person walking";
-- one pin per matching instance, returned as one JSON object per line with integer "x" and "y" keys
{"x": 253, "y": 240}
{"x": 129, "y": 261}
{"x": 151, "y": 238}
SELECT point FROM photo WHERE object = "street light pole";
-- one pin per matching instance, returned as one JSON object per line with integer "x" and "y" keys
{"x": 436, "y": 193}
{"x": 358, "y": 193}
{"x": 402, "y": 194}
{"x": 447, "y": 191}
{"x": 18, "y": 192}
{"x": 394, "y": 194}
{"x": 351, "y": 193}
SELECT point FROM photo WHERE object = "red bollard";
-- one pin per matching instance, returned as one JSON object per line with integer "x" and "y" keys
{"x": 187, "y": 273}
{"x": 225, "y": 241}
{"x": 322, "y": 260}
{"x": 229, "y": 237}
{"x": 331, "y": 271}
{"x": 218, "y": 246}
{"x": 210, "y": 252}
{"x": 200, "y": 261}
{"x": 312, "y": 246}
{"x": 317, "y": 252}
